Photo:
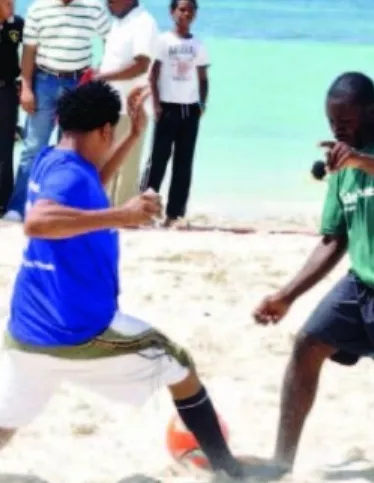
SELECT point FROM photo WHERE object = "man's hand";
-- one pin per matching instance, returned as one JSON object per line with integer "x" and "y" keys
{"x": 135, "y": 109}
{"x": 27, "y": 100}
{"x": 339, "y": 155}
{"x": 272, "y": 309}
{"x": 143, "y": 209}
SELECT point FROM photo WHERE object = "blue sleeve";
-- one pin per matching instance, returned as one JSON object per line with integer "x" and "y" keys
{"x": 66, "y": 186}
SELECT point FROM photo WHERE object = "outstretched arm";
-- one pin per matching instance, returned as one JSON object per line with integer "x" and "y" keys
{"x": 47, "y": 219}
{"x": 120, "y": 151}
{"x": 203, "y": 86}
{"x": 326, "y": 255}
{"x": 50, "y": 220}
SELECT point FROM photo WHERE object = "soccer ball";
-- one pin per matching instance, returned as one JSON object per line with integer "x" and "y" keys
{"x": 182, "y": 444}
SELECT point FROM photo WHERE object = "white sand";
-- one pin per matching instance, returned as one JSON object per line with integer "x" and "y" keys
{"x": 201, "y": 289}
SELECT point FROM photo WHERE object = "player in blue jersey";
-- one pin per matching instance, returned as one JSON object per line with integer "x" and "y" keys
{"x": 65, "y": 323}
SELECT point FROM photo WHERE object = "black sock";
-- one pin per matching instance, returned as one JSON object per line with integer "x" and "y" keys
{"x": 198, "y": 414}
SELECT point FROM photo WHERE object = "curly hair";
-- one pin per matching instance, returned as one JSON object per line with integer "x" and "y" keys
{"x": 88, "y": 107}
{"x": 174, "y": 4}
{"x": 354, "y": 87}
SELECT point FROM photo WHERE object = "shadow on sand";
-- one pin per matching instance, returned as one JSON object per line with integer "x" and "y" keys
{"x": 366, "y": 474}
{"x": 139, "y": 479}
{"x": 259, "y": 475}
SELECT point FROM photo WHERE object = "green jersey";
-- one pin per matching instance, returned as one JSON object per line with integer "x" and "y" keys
{"x": 349, "y": 210}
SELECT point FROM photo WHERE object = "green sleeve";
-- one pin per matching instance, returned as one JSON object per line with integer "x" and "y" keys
{"x": 333, "y": 219}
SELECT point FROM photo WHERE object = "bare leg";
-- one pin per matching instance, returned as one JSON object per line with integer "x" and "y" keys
{"x": 298, "y": 394}
{"x": 186, "y": 388}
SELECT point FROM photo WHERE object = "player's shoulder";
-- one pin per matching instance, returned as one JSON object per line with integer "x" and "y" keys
{"x": 38, "y": 5}
{"x": 16, "y": 22}
{"x": 146, "y": 18}
{"x": 198, "y": 42}
{"x": 166, "y": 38}
{"x": 166, "y": 35}
{"x": 66, "y": 165}
{"x": 91, "y": 5}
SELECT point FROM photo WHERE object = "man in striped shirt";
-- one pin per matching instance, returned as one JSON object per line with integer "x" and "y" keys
{"x": 57, "y": 50}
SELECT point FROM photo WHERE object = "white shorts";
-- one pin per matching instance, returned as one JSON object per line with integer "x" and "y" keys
{"x": 127, "y": 363}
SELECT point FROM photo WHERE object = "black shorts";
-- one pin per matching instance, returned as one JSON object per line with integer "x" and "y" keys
{"x": 344, "y": 319}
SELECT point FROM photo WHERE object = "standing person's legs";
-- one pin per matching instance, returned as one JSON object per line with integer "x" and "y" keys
{"x": 184, "y": 150}
{"x": 38, "y": 130}
{"x": 125, "y": 183}
{"x": 8, "y": 122}
{"x": 163, "y": 139}
{"x": 335, "y": 330}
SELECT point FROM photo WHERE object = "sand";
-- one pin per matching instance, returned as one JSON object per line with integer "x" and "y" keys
{"x": 201, "y": 289}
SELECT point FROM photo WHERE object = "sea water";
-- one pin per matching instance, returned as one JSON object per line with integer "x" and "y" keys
{"x": 271, "y": 64}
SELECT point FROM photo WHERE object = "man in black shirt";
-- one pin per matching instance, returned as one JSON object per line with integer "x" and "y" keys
{"x": 11, "y": 29}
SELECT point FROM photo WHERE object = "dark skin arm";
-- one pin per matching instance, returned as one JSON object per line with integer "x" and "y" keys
{"x": 341, "y": 155}
{"x": 365, "y": 163}
{"x": 329, "y": 251}
{"x": 203, "y": 85}
{"x": 322, "y": 260}
{"x": 27, "y": 72}
{"x": 138, "y": 67}
{"x": 153, "y": 80}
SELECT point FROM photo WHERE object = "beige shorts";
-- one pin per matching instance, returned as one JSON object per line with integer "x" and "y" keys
{"x": 127, "y": 363}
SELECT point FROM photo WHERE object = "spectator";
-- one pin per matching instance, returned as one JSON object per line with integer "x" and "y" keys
{"x": 128, "y": 55}
{"x": 180, "y": 88}
{"x": 11, "y": 30}
{"x": 57, "y": 49}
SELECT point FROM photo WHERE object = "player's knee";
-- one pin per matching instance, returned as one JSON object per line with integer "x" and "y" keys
{"x": 188, "y": 383}
{"x": 187, "y": 387}
{"x": 309, "y": 352}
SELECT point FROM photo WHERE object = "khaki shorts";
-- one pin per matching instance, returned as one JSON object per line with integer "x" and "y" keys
{"x": 127, "y": 363}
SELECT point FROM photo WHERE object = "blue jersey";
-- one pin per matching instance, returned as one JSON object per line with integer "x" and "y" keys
{"x": 66, "y": 290}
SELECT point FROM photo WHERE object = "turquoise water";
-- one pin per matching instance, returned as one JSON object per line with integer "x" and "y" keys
{"x": 272, "y": 62}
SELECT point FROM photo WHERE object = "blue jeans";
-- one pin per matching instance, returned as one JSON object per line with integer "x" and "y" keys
{"x": 38, "y": 129}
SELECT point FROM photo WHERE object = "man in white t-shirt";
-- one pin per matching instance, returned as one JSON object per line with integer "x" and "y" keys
{"x": 128, "y": 56}
{"x": 180, "y": 89}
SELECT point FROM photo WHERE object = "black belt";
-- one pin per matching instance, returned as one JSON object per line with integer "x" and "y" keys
{"x": 75, "y": 74}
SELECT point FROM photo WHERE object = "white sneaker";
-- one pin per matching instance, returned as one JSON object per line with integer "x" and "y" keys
{"x": 13, "y": 215}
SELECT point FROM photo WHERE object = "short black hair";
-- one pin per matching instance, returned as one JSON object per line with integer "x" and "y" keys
{"x": 88, "y": 107}
{"x": 174, "y": 4}
{"x": 353, "y": 87}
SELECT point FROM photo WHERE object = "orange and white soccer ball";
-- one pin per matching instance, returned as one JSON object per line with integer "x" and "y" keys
{"x": 182, "y": 444}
